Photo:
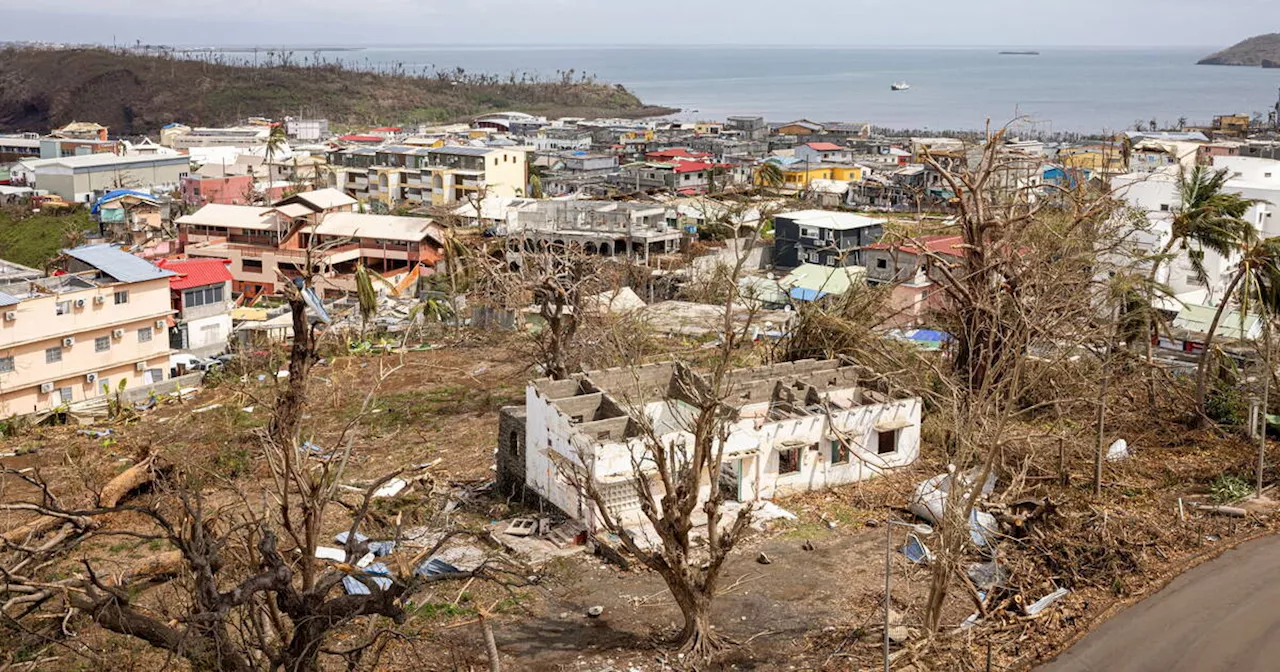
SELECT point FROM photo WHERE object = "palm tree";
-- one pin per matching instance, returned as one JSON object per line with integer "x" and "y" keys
{"x": 1254, "y": 283}
{"x": 1207, "y": 218}
{"x": 277, "y": 140}
{"x": 769, "y": 174}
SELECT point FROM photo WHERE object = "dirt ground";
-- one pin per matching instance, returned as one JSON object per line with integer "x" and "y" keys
{"x": 806, "y": 609}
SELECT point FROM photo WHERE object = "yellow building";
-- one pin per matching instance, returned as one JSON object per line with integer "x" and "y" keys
{"x": 1103, "y": 159}
{"x": 62, "y": 338}
{"x": 798, "y": 174}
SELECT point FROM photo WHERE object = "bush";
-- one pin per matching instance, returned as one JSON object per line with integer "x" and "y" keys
{"x": 1228, "y": 488}
{"x": 1226, "y": 405}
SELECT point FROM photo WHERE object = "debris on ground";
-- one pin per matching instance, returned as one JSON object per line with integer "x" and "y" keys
{"x": 763, "y": 559}
{"x": 916, "y": 551}
{"x": 391, "y": 488}
{"x": 1044, "y": 602}
{"x": 1118, "y": 450}
{"x": 595, "y": 612}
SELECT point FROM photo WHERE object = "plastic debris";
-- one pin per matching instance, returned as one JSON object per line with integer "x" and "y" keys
{"x": 1044, "y": 602}
{"x": 763, "y": 559}
{"x": 916, "y": 551}
{"x": 595, "y": 612}
{"x": 930, "y": 499}
{"x": 1119, "y": 450}
{"x": 318, "y": 452}
{"x": 381, "y": 548}
{"x": 99, "y": 433}
{"x": 145, "y": 405}
{"x": 247, "y": 409}
{"x": 983, "y": 528}
{"x": 435, "y": 567}
{"x": 210, "y": 407}
{"x": 987, "y": 575}
{"x": 380, "y": 574}
{"x": 342, "y": 537}
{"x": 391, "y": 488}
{"x": 331, "y": 553}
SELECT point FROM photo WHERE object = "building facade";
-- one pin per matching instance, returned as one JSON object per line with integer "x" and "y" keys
{"x": 65, "y": 338}
{"x": 797, "y": 427}
{"x": 824, "y": 237}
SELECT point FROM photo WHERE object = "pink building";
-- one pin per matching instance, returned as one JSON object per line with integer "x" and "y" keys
{"x": 232, "y": 190}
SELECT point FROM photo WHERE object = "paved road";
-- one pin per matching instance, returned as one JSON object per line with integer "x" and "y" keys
{"x": 1223, "y": 615}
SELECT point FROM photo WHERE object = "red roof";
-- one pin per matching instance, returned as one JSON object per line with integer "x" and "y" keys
{"x": 360, "y": 138}
{"x": 952, "y": 246}
{"x": 386, "y": 129}
{"x": 825, "y": 147}
{"x": 691, "y": 166}
{"x": 677, "y": 153}
{"x": 193, "y": 273}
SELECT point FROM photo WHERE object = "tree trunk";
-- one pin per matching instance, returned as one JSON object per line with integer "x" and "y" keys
{"x": 284, "y": 423}
{"x": 696, "y": 638}
{"x": 1100, "y": 448}
{"x": 1266, "y": 391}
{"x": 1147, "y": 324}
{"x": 490, "y": 645}
{"x": 1203, "y": 369}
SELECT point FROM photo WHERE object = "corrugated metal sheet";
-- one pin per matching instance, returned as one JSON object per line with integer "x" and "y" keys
{"x": 8, "y": 300}
{"x": 122, "y": 266}
{"x": 196, "y": 272}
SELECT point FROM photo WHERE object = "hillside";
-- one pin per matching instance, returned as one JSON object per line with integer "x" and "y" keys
{"x": 1255, "y": 51}
{"x": 135, "y": 94}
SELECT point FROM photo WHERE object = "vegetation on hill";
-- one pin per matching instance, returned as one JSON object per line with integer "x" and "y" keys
{"x": 134, "y": 93}
{"x": 1255, "y": 51}
{"x": 33, "y": 239}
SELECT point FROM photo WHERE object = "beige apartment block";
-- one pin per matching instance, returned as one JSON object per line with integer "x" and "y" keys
{"x": 64, "y": 337}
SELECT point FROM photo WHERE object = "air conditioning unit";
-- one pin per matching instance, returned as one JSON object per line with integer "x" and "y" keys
{"x": 80, "y": 303}
{"x": 117, "y": 334}
{"x": 91, "y": 378}
{"x": 68, "y": 341}
{"x": 10, "y": 315}
{"x": 140, "y": 366}
{"x": 46, "y": 388}
{"x": 160, "y": 324}
{"x": 99, "y": 300}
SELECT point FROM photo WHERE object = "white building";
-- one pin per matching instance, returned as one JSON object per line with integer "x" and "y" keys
{"x": 823, "y": 152}
{"x": 1156, "y": 194}
{"x": 307, "y": 129}
{"x": 800, "y": 426}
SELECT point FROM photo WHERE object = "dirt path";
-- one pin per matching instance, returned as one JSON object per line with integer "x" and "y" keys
{"x": 1221, "y": 615}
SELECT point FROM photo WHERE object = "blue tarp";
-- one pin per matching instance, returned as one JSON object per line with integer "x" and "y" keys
{"x": 802, "y": 294}
{"x": 119, "y": 193}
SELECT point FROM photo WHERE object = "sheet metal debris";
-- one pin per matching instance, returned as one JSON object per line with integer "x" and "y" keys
{"x": 378, "y": 572}
{"x": 1044, "y": 602}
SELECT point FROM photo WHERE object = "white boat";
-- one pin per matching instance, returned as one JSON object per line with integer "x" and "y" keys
{"x": 900, "y": 86}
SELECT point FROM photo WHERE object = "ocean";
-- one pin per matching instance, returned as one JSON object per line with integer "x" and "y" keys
{"x": 1061, "y": 90}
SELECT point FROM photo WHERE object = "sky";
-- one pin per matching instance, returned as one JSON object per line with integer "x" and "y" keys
{"x": 1119, "y": 23}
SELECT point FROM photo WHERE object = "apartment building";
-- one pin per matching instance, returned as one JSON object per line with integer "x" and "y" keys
{"x": 397, "y": 174}
{"x": 823, "y": 237}
{"x": 65, "y": 338}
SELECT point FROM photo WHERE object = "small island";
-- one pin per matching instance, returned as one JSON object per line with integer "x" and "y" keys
{"x": 1019, "y": 53}
{"x": 1261, "y": 50}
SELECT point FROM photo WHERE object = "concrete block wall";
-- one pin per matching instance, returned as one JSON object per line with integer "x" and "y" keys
{"x": 511, "y": 459}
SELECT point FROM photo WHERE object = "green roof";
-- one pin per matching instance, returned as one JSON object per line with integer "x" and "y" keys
{"x": 1197, "y": 318}
{"x": 814, "y": 280}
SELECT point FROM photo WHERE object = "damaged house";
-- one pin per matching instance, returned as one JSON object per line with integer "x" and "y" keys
{"x": 797, "y": 427}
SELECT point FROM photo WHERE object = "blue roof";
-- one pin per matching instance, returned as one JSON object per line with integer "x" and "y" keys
{"x": 120, "y": 193}
{"x": 8, "y": 300}
{"x": 122, "y": 266}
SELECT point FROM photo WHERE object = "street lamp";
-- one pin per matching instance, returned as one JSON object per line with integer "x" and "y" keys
{"x": 918, "y": 528}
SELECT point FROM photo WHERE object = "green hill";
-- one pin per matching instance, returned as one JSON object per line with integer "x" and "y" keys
{"x": 135, "y": 93}
{"x": 1254, "y": 51}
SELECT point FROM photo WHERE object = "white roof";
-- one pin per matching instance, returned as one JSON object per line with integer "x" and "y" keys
{"x": 234, "y": 216}
{"x": 383, "y": 227}
{"x": 294, "y": 210}
{"x": 325, "y": 199}
{"x": 830, "y": 219}
{"x": 95, "y": 160}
